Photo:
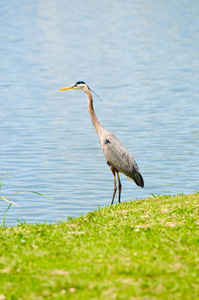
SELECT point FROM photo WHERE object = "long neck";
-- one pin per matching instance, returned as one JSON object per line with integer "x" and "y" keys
{"x": 98, "y": 127}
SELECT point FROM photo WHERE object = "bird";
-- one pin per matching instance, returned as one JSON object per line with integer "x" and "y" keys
{"x": 116, "y": 154}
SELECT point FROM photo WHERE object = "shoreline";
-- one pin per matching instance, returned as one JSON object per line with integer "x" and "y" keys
{"x": 145, "y": 249}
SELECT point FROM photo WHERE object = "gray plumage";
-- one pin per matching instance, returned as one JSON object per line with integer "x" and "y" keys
{"x": 117, "y": 155}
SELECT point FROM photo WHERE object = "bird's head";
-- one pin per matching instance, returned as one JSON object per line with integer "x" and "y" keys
{"x": 79, "y": 85}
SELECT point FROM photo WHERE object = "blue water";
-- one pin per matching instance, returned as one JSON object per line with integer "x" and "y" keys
{"x": 141, "y": 57}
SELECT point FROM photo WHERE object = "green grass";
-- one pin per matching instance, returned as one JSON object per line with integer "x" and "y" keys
{"x": 136, "y": 250}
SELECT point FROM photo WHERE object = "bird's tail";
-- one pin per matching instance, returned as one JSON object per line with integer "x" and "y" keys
{"x": 138, "y": 179}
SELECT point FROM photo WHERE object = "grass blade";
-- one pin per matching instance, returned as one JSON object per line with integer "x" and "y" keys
{"x": 26, "y": 191}
{"x": 11, "y": 202}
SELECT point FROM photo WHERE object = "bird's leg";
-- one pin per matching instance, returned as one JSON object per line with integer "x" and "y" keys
{"x": 119, "y": 186}
{"x": 115, "y": 185}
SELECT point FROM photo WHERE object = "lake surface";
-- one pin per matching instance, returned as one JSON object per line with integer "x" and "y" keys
{"x": 141, "y": 57}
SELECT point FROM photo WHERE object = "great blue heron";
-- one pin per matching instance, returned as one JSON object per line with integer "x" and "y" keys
{"x": 117, "y": 156}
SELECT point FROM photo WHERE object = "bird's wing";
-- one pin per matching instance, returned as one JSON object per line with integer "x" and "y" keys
{"x": 118, "y": 156}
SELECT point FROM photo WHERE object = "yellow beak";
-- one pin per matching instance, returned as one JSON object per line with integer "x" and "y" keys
{"x": 67, "y": 88}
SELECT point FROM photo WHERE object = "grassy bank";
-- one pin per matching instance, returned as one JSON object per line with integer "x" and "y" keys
{"x": 136, "y": 250}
